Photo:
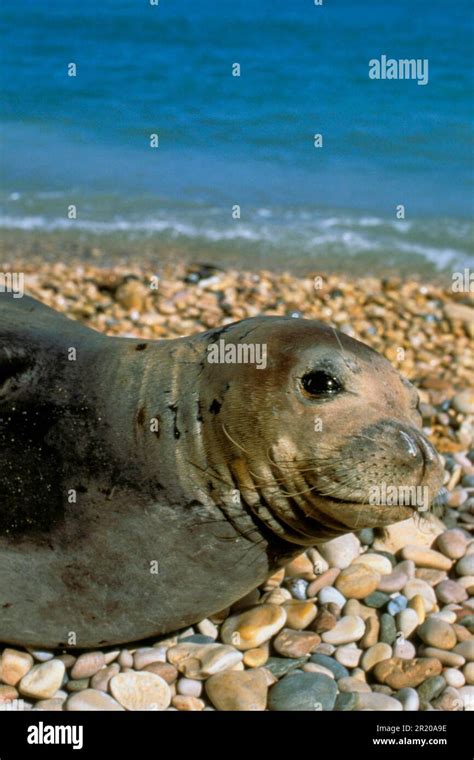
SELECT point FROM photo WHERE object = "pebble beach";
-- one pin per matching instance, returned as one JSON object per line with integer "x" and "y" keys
{"x": 378, "y": 620}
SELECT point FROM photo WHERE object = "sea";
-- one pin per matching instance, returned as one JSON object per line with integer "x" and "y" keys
{"x": 241, "y": 130}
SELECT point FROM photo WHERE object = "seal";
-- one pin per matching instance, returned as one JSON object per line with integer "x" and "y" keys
{"x": 148, "y": 484}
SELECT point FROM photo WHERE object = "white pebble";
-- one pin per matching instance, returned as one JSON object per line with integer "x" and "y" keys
{"x": 407, "y": 621}
{"x": 454, "y": 678}
{"x": 340, "y": 551}
{"x": 348, "y": 655}
{"x": 330, "y": 594}
{"x": 189, "y": 687}
{"x": 409, "y": 699}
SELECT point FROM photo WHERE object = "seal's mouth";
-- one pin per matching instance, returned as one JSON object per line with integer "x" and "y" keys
{"x": 321, "y": 518}
{"x": 308, "y": 514}
{"x": 351, "y": 514}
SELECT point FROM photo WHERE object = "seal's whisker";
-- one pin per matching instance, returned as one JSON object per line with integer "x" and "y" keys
{"x": 226, "y": 432}
{"x": 295, "y": 465}
{"x": 366, "y": 438}
{"x": 300, "y": 493}
{"x": 265, "y": 483}
{"x": 211, "y": 471}
{"x": 347, "y": 482}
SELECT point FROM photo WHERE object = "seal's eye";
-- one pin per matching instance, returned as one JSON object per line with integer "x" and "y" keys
{"x": 320, "y": 383}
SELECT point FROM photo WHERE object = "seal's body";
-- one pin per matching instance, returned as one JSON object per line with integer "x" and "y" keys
{"x": 144, "y": 487}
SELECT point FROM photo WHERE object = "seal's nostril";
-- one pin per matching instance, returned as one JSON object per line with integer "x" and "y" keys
{"x": 419, "y": 447}
{"x": 429, "y": 452}
{"x": 410, "y": 444}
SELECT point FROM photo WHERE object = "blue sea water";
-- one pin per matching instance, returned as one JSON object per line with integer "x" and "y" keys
{"x": 248, "y": 140}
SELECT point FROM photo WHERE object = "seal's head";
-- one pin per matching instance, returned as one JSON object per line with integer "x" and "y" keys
{"x": 318, "y": 432}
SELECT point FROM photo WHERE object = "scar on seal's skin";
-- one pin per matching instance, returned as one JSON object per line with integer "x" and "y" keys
{"x": 174, "y": 410}
{"x": 215, "y": 407}
{"x": 141, "y": 416}
{"x": 199, "y": 412}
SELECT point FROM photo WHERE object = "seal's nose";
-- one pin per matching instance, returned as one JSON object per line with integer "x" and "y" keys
{"x": 409, "y": 444}
{"x": 417, "y": 446}
{"x": 429, "y": 452}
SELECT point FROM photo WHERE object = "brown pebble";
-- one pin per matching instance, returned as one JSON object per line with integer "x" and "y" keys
{"x": 164, "y": 669}
{"x": 245, "y": 690}
{"x": 275, "y": 580}
{"x": 352, "y": 684}
{"x": 450, "y": 592}
{"x": 15, "y": 664}
{"x": 188, "y": 703}
{"x": 437, "y": 633}
{"x": 424, "y": 557}
{"x": 67, "y": 659}
{"x": 249, "y": 629}
{"x": 462, "y": 634}
{"x": 325, "y": 579}
{"x": 7, "y": 694}
{"x": 375, "y": 654}
{"x": 452, "y": 543}
{"x": 324, "y": 621}
{"x": 255, "y": 658}
{"x": 357, "y": 581}
{"x": 87, "y": 665}
{"x": 101, "y": 679}
{"x": 299, "y": 614}
{"x": 457, "y": 498}
{"x": 446, "y": 658}
{"x": 433, "y": 577}
{"x": 417, "y": 603}
{"x": 371, "y": 635}
{"x": 300, "y": 567}
{"x": 354, "y": 607}
{"x": 125, "y": 659}
{"x": 393, "y": 582}
{"x": 290, "y": 643}
{"x": 399, "y": 673}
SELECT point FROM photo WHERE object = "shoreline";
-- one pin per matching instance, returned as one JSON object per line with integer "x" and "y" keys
{"x": 114, "y": 249}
